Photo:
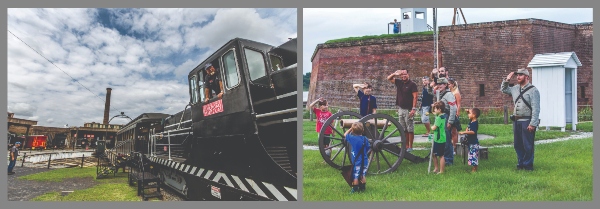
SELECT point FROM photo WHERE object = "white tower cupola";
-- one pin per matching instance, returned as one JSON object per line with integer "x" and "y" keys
{"x": 413, "y": 20}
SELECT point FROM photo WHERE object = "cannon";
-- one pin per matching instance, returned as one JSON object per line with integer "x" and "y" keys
{"x": 385, "y": 135}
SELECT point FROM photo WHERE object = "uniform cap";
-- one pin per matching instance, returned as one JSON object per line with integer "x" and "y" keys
{"x": 523, "y": 71}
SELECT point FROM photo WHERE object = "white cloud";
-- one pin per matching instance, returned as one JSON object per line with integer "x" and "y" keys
{"x": 342, "y": 23}
{"x": 145, "y": 61}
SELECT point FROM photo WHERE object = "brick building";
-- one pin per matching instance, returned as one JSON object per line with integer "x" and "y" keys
{"x": 478, "y": 55}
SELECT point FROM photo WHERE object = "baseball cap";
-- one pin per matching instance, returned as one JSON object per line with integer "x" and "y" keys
{"x": 17, "y": 142}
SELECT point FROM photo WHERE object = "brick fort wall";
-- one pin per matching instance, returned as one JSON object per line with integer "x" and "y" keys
{"x": 478, "y": 55}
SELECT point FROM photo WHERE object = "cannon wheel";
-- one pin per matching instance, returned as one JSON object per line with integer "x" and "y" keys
{"x": 387, "y": 143}
{"x": 339, "y": 149}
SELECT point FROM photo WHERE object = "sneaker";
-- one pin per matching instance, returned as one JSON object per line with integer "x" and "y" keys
{"x": 11, "y": 173}
{"x": 328, "y": 153}
{"x": 409, "y": 150}
{"x": 362, "y": 187}
{"x": 355, "y": 189}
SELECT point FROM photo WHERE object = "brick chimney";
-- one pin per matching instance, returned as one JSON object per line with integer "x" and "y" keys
{"x": 107, "y": 106}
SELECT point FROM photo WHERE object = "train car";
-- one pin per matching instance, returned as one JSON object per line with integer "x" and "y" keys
{"x": 242, "y": 146}
{"x": 59, "y": 141}
{"x": 36, "y": 142}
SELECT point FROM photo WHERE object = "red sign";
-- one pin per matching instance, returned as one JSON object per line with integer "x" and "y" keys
{"x": 213, "y": 108}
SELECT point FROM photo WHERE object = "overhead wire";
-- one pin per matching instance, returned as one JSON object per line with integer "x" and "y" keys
{"x": 61, "y": 70}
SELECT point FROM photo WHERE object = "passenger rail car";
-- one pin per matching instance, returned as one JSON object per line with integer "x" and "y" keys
{"x": 238, "y": 147}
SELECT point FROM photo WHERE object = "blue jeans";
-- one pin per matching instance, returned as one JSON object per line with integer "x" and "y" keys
{"x": 11, "y": 165}
{"x": 449, "y": 149}
{"x": 523, "y": 144}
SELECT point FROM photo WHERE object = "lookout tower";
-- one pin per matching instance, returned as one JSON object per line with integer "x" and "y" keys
{"x": 413, "y": 20}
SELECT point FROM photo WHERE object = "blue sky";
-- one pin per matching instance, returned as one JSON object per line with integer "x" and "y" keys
{"x": 352, "y": 22}
{"x": 144, "y": 55}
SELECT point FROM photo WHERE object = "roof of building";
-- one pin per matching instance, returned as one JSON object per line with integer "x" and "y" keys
{"x": 553, "y": 59}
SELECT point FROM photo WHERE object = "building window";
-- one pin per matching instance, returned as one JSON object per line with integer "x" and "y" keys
{"x": 420, "y": 15}
{"x": 481, "y": 90}
{"x": 583, "y": 92}
{"x": 406, "y": 15}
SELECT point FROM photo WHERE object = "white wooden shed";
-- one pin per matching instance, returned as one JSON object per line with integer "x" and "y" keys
{"x": 555, "y": 76}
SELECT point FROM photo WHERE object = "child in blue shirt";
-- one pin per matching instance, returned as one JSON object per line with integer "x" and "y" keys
{"x": 472, "y": 140}
{"x": 439, "y": 137}
{"x": 359, "y": 157}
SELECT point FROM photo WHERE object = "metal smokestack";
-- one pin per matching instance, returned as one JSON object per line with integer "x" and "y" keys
{"x": 107, "y": 106}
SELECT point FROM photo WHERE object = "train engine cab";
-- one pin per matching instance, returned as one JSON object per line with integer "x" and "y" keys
{"x": 237, "y": 140}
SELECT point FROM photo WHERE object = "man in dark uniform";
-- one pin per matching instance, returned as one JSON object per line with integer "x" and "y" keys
{"x": 14, "y": 153}
{"x": 212, "y": 83}
{"x": 526, "y": 116}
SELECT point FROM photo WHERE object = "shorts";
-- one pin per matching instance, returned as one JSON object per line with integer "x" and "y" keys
{"x": 327, "y": 140}
{"x": 356, "y": 170}
{"x": 424, "y": 117}
{"x": 438, "y": 149}
{"x": 473, "y": 154}
{"x": 405, "y": 121}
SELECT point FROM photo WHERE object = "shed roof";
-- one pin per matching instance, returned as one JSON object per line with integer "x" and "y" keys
{"x": 553, "y": 59}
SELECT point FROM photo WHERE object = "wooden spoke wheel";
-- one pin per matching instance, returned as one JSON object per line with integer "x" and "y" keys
{"x": 339, "y": 153}
{"x": 387, "y": 140}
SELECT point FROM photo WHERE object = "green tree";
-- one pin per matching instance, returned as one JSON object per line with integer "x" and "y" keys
{"x": 306, "y": 81}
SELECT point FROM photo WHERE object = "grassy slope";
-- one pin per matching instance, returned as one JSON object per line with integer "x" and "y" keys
{"x": 563, "y": 172}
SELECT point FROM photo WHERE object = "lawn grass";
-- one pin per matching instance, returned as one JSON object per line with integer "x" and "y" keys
{"x": 502, "y": 133}
{"x": 111, "y": 188}
{"x": 58, "y": 175}
{"x": 116, "y": 191}
{"x": 563, "y": 172}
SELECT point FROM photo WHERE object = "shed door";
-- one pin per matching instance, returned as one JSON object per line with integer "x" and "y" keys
{"x": 569, "y": 95}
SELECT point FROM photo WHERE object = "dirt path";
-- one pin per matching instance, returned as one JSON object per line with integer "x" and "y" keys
{"x": 25, "y": 190}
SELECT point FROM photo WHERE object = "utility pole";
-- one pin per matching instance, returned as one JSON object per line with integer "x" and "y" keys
{"x": 454, "y": 18}
{"x": 435, "y": 39}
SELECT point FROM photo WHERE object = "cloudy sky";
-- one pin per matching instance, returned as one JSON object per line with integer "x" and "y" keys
{"x": 144, "y": 55}
{"x": 342, "y": 23}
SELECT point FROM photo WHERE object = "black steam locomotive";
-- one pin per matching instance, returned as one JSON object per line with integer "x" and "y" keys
{"x": 238, "y": 147}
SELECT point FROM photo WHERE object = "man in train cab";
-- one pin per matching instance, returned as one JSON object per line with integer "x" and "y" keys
{"x": 213, "y": 83}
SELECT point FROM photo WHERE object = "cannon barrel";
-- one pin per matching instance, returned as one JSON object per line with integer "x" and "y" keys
{"x": 347, "y": 123}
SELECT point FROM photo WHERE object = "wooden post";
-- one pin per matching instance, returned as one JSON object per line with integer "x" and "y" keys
{"x": 82, "y": 157}
{"x": 23, "y": 162}
{"x": 49, "y": 159}
{"x": 505, "y": 114}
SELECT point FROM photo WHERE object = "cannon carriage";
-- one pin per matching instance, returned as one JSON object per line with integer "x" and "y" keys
{"x": 385, "y": 134}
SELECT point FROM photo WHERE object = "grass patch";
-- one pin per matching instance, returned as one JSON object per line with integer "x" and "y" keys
{"x": 563, "y": 173}
{"x": 118, "y": 191}
{"x": 112, "y": 188}
{"x": 58, "y": 175}
{"x": 367, "y": 37}
{"x": 503, "y": 134}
